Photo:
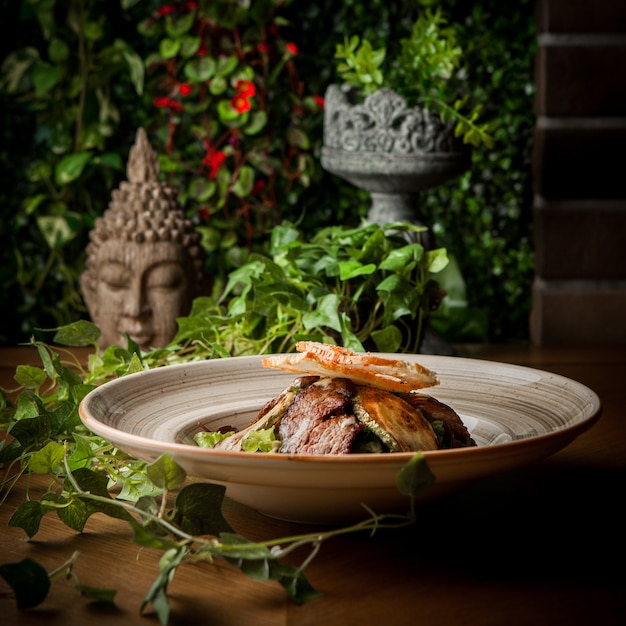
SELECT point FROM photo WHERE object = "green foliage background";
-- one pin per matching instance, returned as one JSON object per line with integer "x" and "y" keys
{"x": 483, "y": 219}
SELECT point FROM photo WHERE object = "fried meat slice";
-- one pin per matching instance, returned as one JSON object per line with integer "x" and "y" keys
{"x": 394, "y": 421}
{"x": 318, "y": 420}
{"x": 454, "y": 432}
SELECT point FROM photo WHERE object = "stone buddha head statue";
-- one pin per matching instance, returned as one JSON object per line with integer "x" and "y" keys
{"x": 144, "y": 260}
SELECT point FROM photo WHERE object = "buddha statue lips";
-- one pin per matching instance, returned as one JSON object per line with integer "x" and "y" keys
{"x": 144, "y": 260}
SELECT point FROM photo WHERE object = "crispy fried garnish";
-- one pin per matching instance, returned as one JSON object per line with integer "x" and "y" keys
{"x": 322, "y": 359}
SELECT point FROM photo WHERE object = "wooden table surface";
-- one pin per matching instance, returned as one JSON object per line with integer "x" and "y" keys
{"x": 542, "y": 545}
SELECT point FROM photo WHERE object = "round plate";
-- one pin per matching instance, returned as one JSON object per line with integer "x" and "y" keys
{"x": 516, "y": 415}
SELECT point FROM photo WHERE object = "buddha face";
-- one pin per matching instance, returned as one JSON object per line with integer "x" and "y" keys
{"x": 139, "y": 290}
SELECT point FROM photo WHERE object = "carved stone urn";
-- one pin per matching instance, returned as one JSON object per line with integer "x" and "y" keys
{"x": 392, "y": 151}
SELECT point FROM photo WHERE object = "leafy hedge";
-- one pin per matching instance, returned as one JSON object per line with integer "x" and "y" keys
{"x": 69, "y": 119}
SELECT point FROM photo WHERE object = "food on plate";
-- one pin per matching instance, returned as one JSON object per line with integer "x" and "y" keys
{"x": 364, "y": 368}
{"x": 346, "y": 402}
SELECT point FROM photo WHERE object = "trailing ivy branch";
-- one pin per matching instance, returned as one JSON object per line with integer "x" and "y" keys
{"x": 88, "y": 475}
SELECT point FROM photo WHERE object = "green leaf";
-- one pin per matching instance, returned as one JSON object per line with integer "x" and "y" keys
{"x": 71, "y": 167}
{"x": 352, "y": 269}
{"x": 245, "y": 182}
{"x": 48, "y": 459}
{"x": 135, "y": 65}
{"x": 28, "y": 517}
{"x": 30, "y": 582}
{"x": 144, "y": 537}
{"x": 437, "y": 260}
{"x": 168, "y": 48}
{"x": 79, "y": 333}
{"x": 166, "y": 473}
{"x": 326, "y": 313}
{"x": 388, "y": 339}
{"x": 226, "y": 112}
{"x": 59, "y": 229}
{"x": 226, "y": 65}
{"x": 415, "y": 478}
{"x": 178, "y": 26}
{"x": 30, "y": 376}
{"x": 45, "y": 77}
{"x": 202, "y": 189}
{"x": 298, "y": 138}
{"x": 189, "y": 45}
{"x": 157, "y": 595}
{"x": 32, "y": 431}
{"x": 262, "y": 440}
{"x": 75, "y": 513}
{"x": 97, "y": 594}
{"x": 198, "y": 510}
{"x": 257, "y": 122}
{"x": 217, "y": 87}
{"x": 200, "y": 69}
{"x": 58, "y": 51}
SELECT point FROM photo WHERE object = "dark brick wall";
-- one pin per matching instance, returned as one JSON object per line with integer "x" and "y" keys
{"x": 579, "y": 170}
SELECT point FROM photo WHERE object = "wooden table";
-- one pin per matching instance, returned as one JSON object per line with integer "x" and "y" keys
{"x": 542, "y": 545}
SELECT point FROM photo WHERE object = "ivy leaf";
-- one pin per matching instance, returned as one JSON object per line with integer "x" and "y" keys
{"x": 79, "y": 333}
{"x": 198, "y": 509}
{"x": 166, "y": 473}
{"x": 30, "y": 582}
{"x": 294, "y": 581}
{"x": 97, "y": 594}
{"x": 144, "y": 536}
{"x": 30, "y": 376}
{"x": 157, "y": 595}
{"x": 28, "y": 517}
{"x": 48, "y": 459}
{"x": 415, "y": 478}
{"x": 33, "y": 430}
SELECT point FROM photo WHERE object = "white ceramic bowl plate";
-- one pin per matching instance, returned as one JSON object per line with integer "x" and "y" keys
{"x": 516, "y": 414}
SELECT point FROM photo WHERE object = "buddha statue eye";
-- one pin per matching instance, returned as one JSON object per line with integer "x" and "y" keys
{"x": 116, "y": 276}
{"x": 165, "y": 276}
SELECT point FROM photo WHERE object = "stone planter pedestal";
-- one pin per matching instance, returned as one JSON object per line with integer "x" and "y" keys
{"x": 392, "y": 151}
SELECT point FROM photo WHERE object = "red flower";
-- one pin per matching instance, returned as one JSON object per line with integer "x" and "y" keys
{"x": 202, "y": 50}
{"x": 263, "y": 48}
{"x": 240, "y": 103}
{"x": 245, "y": 88}
{"x": 213, "y": 159}
{"x": 259, "y": 186}
{"x": 165, "y": 10}
{"x": 184, "y": 89}
{"x": 319, "y": 101}
{"x": 291, "y": 48}
{"x": 163, "y": 102}
{"x": 192, "y": 6}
